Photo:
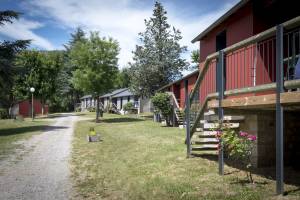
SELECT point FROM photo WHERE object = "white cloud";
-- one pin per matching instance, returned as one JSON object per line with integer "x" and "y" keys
{"x": 119, "y": 20}
{"x": 23, "y": 29}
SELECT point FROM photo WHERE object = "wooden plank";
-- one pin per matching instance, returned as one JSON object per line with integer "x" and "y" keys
{"x": 257, "y": 101}
{"x": 290, "y": 98}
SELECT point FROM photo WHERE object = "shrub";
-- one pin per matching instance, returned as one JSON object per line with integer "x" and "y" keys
{"x": 77, "y": 109}
{"x": 238, "y": 145}
{"x": 3, "y": 113}
{"x": 91, "y": 109}
{"x": 162, "y": 105}
{"x": 129, "y": 107}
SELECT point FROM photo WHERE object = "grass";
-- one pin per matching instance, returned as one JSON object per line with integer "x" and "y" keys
{"x": 12, "y": 131}
{"x": 139, "y": 159}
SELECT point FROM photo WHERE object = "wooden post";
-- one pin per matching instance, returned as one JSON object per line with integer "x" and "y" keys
{"x": 279, "y": 111}
{"x": 220, "y": 90}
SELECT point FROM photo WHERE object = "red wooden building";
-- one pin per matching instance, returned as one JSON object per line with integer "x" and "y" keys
{"x": 178, "y": 87}
{"x": 23, "y": 108}
{"x": 248, "y": 63}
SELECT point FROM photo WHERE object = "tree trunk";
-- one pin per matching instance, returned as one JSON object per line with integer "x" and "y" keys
{"x": 97, "y": 110}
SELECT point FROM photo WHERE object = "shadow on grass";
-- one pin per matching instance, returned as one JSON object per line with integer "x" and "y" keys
{"x": 21, "y": 130}
{"x": 121, "y": 120}
{"x": 292, "y": 176}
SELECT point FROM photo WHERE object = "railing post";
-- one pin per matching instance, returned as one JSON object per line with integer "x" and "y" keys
{"x": 279, "y": 111}
{"x": 187, "y": 120}
{"x": 173, "y": 112}
{"x": 220, "y": 90}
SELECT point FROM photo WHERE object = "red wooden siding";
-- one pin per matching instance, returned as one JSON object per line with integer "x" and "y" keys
{"x": 238, "y": 27}
{"x": 209, "y": 82}
{"x": 25, "y": 107}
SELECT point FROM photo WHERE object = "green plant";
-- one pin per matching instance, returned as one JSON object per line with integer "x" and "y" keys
{"x": 238, "y": 145}
{"x": 91, "y": 109}
{"x": 162, "y": 104}
{"x": 92, "y": 131}
{"x": 3, "y": 113}
{"x": 128, "y": 106}
{"x": 77, "y": 109}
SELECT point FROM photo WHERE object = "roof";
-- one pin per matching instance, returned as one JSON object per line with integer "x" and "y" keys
{"x": 124, "y": 94}
{"x": 235, "y": 8}
{"x": 86, "y": 96}
{"x": 114, "y": 92}
{"x": 183, "y": 78}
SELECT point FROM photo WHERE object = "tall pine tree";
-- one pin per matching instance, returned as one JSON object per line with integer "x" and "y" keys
{"x": 8, "y": 51}
{"x": 157, "y": 60}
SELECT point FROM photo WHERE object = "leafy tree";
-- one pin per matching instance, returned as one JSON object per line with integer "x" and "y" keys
{"x": 161, "y": 103}
{"x": 39, "y": 70}
{"x": 123, "y": 78}
{"x": 157, "y": 60}
{"x": 195, "y": 56}
{"x": 8, "y": 51}
{"x": 96, "y": 59}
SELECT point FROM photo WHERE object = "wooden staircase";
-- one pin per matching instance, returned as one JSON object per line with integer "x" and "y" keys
{"x": 179, "y": 117}
{"x": 204, "y": 138}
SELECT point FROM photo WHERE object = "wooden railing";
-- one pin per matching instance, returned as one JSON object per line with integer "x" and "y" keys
{"x": 256, "y": 86}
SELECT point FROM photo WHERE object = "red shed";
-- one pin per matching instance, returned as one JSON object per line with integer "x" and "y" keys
{"x": 23, "y": 108}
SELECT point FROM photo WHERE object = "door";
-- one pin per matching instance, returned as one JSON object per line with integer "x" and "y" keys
{"x": 221, "y": 41}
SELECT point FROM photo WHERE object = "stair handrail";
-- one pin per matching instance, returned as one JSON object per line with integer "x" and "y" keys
{"x": 251, "y": 40}
{"x": 172, "y": 95}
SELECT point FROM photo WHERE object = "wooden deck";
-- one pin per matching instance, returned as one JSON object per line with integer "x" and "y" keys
{"x": 262, "y": 101}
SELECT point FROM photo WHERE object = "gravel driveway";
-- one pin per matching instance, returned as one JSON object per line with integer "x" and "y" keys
{"x": 43, "y": 172}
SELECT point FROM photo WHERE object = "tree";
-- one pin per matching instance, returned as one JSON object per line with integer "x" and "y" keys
{"x": 71, "y": 94}
{"x": 157, "y": 60}
{"x": 77, "y": 36}
{"x": 39, "y": 70}
{"x": 8, "y": 51}
{"x": 123, "y": 78}
{"x": 161, "y": 103}
{"x": 96, "y": 59}
{"x": 195, "y": 57}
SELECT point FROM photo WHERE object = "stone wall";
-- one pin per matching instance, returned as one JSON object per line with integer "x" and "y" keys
{"x": 263, "y": 125}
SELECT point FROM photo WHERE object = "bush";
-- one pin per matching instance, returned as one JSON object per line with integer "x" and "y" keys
{"x": 238, "y": 145}
{"x": 91, "y": 109}
{"x": 128, "y": 106}
{"x": 162, "y": 104}
{"x": 3, "y": 113}
{"x": 77, "y": 109}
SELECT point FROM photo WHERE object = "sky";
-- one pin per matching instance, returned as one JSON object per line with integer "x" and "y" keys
{"x": 49, "y": 23}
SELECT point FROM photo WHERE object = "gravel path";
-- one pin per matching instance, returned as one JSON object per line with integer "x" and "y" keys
{"x": 43, "y": 172}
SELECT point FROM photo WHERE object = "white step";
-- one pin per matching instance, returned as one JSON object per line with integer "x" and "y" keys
{"x": 215, "y": 125}
{"x": 210, "y": 112}
{"x": 206, "y": 140}
{"x": 208, "y": 133}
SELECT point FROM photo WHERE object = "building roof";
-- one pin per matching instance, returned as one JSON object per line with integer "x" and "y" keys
{"x": 235, "y": 8}
{"x": 177, "y": 81}
{"x": 125, "y": 93}
{"x": 113, "y": 93}
{"x": 86, "y": 96}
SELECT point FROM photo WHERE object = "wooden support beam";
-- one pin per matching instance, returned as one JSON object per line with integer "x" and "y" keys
{"x": 288, "y": 98}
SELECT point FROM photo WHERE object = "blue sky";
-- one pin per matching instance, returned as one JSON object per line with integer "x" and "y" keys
{"x": 49, "y": 22}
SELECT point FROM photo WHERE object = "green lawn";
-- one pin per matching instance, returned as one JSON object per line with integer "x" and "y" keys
{"x": 12, "y": 131}
{"x": 139, "y": 159}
